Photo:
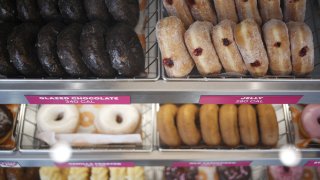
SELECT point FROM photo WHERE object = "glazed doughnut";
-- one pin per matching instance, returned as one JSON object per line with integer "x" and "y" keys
{"x": 179, "y": 9}
{"x": 186, "y": 121}
{"x": 6, "y": 123}
{"x": 268, "y": 124}
{"x": 135, "y": 173}
{"x": 310, "y": 119}
{"x": 79, "y": 173}
{"x": 248, "y": 125}
{"x": 270, "y": 9}
{"x": 199, "y": 44}
{"x": 249, "y": 41}
{"x": 117, "y": 173}
{"x": 228, "y": 122}
{"x": 276, "y": 38}
{"x": 282, "y": 172}
{"x": 58, "y": 118}
{"x": 117, "y": 119}
{"x": 175, "y": 56}
{"x": 202, "y": 10}
{"x": 226, "y": 9}
{"x": 209, "y": 123}
{"x": 166, "y": 123}
{"x": 302, "y": 48}
{"x": 295, "y": 10}
{"x": 227, "y": 50}
{"x": 248, "y": 9}
{"x": 98, "y": 173}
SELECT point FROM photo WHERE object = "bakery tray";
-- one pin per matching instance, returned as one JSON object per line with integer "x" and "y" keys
{"x": 284, "y": 138}
{"x": 30, "y": 144}
{"x": 312, "y": 19}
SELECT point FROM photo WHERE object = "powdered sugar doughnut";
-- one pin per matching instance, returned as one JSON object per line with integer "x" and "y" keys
{"x": 117, "y": 119}
{"x": 58, "y": 118}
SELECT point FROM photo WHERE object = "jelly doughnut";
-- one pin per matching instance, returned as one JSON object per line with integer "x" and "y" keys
{"x": 310, "y": 119}
{"x": 248, "y": 9}
{"x": 226, "y": 9}
{"x": 270, "y": 9}
{"x": 202, "y": 10}
{"x": 179, "y": 9}
{"x": 295, "y": 10}
{"x": 282, "y": 172}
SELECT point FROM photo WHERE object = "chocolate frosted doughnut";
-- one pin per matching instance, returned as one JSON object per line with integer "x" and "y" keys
{"x": 239, "y": 173}
{"x": 97, "y": 10}
{"x": 92, "y": 45}
{"x": 28, "y": 10}
{"x": 6, "y": 122}
{"x": 70, "y": 56}
{"x": 72, "y": 10}
{"x": 125, "y": 11}
{"x": 22, "y": 50}
{"x": 8, "y": 10}
{"x": 49, "y": 9}
{"x": 47, "y": 49}
{"x": 125, "y": 50}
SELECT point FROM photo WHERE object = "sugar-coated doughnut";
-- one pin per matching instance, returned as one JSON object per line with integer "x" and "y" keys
{"x": 199, "y": 44}
{"x": 249, "y": 41}
{"x": 227, "y": 50}
{"x": 248, "y": 125}
{"x": 166, "y": 123}
{"x": 283, "y": 172}
{"x": 270, "y": 9}
{"x": 209, "y": 123}
{"x": 186, "y": 121}
{"x": 179, "y": 9}
{"x": 310, "y": 119}
{"x": 175, "y": 57}
{"x": 117, "y": 119}
{"x": 302, "y": 48}
{"x": 228, "y": 122}
{"x": 295, "y": 10}
{"x": 268, "y": 124}
{"x": 202, "y": 10}
{"x": 58, "y": 118}
{"x": 248, "y": 9}
{"x": 276, "y": 38}
{"x": 226, "y": 9}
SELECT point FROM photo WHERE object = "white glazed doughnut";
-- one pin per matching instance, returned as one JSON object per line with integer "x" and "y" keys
{"x": 58, "y": 118}
{"x": 117, "y": 119}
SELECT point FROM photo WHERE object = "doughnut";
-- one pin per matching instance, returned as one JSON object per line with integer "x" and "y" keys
{"x": 166, "y": 123}
{"x": 49, "y": 10}
{"x": 47, "y": 49}
{"x": 47, "y": 173}
{"x": 72, "y": 11}
{"x": 270, "y": 9}
{"x": 22, "y": 50}
{"x": 179, "y": 9}
{"x": 125, "y": 50}
{"x": 124, "y": 11}
{"x": 186, "y": 122}
{"x": 310, "y": 119}
{"x": 202, "y": 10}
{"x": 209, "y": 124}
{"x": 295, "y": 10}
{"x": 92, "y": 46}
{"x": 248, "y": 9}
{"x": 199, "y": 44}
{"x": 97, "y": 10}
{"x": 181, "y": 173}
{"x": 117, "y": 119}
{"x": 6, "y": 123}
{"x": 276, "y": 38}
{"x": 241, "y": 172}
{"x": 228, "y": 123}
{"x": 135, "y": 173}
{"x": 8, "y": 10}
{"x": 227, "y": 50}
{"x": 318, "y": 171}
{"x": 283, "y": 172}
{"x": 268, "y": 124}
{"x": 302, "y": 48}
{"x": 117, "y": 173}
{"x": 58, "y": 118}
{"x": 98, "y": 173}
{"x": 28, "y": 10}
{"x": 68, "y": 42}
{"x": 79, "y": 173}
{"x": 249, "y": 41}
{"x": 226, "y": 9}
{"x": 248, "y": 125}
{"x": 176, "y": 59}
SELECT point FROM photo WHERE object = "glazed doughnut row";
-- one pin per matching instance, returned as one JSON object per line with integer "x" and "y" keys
{"x": 281, "y": 48}
{"x": 228, "y": 125}
{"x": 236, "y": 10}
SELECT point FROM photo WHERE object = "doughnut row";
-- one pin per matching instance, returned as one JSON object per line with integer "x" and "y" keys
{"x": 280, "y": 48}
{"x": 214, "y": 125}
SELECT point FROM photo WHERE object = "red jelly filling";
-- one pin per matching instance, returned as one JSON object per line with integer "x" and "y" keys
{"x": 226, "y": 42}
{"x": 197, "y": 52}
{"x": 255, "y": 64}
{"x": 168, "y": 62}
{"x": 169, "y": 2}
{"x": 277, "y": 44}
{"x": 303, "y": 51}
{"x": 191, "y": 2}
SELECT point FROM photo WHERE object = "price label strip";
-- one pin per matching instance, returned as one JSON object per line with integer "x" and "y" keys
{"x": 7, "y": 164}
{"x": 211, "y": 163}
{"x": 96, "y": 164}
{"x": 313, "y": 163}
{"x": 249, "y": 99}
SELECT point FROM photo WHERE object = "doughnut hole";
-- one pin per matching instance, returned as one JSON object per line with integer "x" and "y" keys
{"x": 255, "y": 64}
{"x": 303, "y": 51}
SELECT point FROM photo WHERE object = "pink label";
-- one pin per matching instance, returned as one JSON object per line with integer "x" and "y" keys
{"x": 209, "y": 164}
{"x": 249, "y": 99}
{"x": 9, "y": 164}
{"x": 78, "y": 99}
{"x": 97, "y": 164}
{"x": 313, "y": 163}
